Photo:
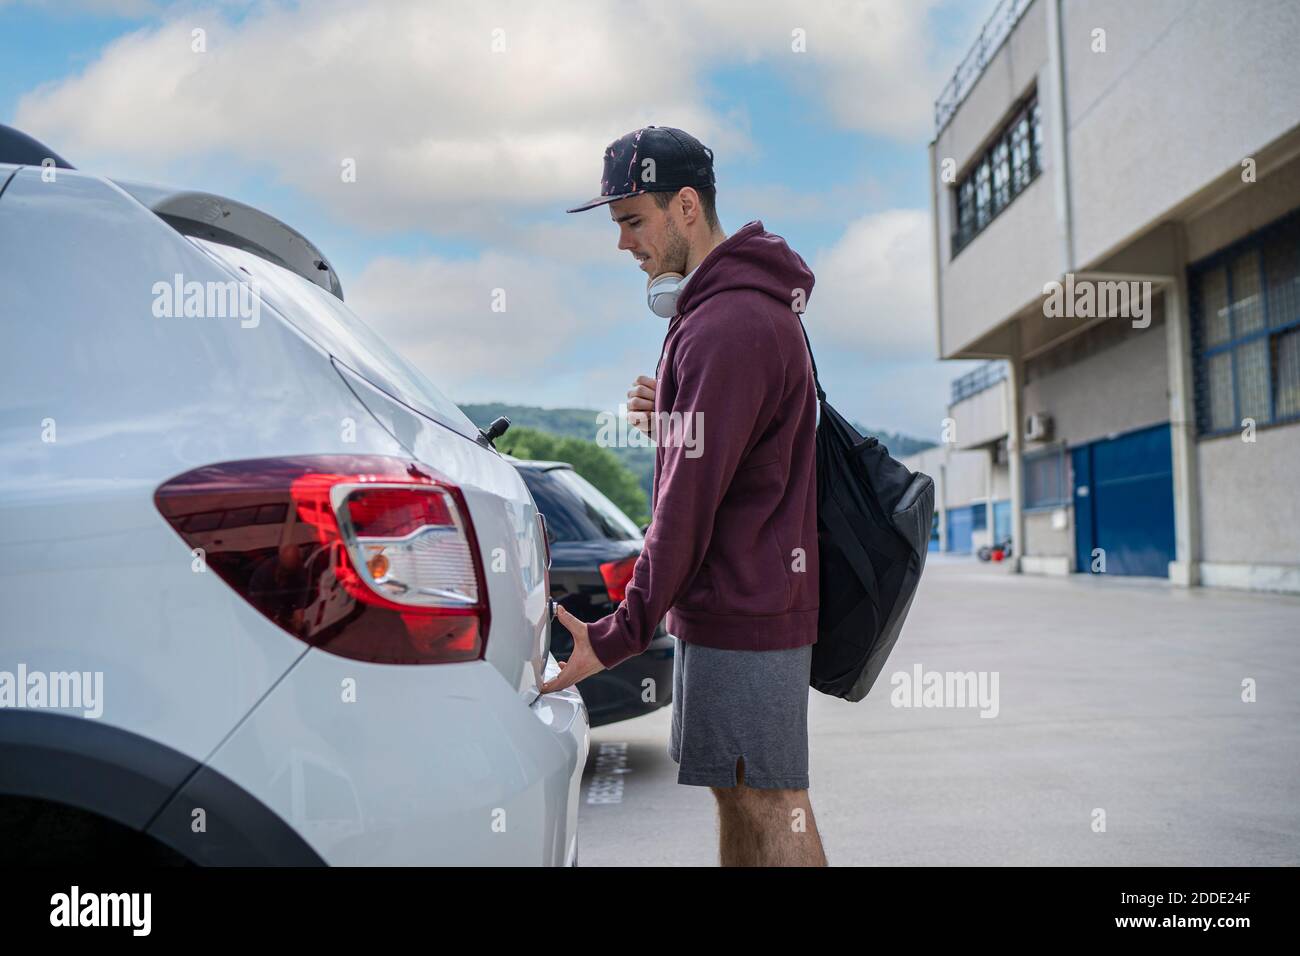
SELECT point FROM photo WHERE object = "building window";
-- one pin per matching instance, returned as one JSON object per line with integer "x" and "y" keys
{"x": 966, "y": 200}
{"x": 1246, "y": 331}
{"x": 1002, "y": 173}
{"x": 983, "y": 195}
{"x": 999, "y": 174}
{"x": 1045, "y": 478}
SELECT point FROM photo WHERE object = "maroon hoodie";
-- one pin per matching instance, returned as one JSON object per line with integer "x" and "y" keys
{"x": 731, "y": 554}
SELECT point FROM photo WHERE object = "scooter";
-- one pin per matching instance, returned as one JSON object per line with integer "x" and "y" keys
{"x": 995, "y": 552}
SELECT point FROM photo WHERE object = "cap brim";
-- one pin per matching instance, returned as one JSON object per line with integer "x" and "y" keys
{"x": 602, "y": 200}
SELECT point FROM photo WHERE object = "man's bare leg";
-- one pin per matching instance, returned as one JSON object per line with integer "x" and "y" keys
{"x": 762, "y": 827}
{"x": 737, "y": 843}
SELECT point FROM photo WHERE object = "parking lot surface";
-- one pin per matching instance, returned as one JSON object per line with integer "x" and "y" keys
{"x": 1119, "y": 730}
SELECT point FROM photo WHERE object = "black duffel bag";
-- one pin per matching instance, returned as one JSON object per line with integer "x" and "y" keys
{"x": 873, "y": 533}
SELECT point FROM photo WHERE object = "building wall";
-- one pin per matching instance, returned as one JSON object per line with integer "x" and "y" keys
{"x": 1116, "y": 380}
{"x": 1157, "y": 127}
{"x": 1042, "y": 538}
{"x": 1007, "y": 264}
{"x": 1001, "y": 270}
{"x": 1009, "y": 74}
{"x": 1184, "y": 91}
{"x": 1255, "y": 206}
{"x": 963, "y": 472}
{"x": 961, "y": 480}
{"x": 1250, "y": 501}
{"x": 980, "y": 418}
{"x": 1250, "y": 496}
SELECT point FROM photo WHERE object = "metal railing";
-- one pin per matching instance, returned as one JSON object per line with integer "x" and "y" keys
{"x": 976, "y": 380}
{"x": 992, "y": 35}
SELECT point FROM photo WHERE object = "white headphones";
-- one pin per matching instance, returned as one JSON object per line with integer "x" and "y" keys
{"x": 661, "y": 294}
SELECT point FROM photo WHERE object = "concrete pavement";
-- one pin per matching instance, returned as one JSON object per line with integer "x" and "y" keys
{"x": 1115, "y": 696}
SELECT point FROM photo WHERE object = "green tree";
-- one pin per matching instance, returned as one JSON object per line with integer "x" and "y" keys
{"x": 598, "y": 465}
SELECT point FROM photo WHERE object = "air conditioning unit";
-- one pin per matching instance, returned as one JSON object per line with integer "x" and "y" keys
{"x": 1038, "y": 427}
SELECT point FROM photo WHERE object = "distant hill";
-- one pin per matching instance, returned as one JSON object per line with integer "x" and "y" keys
{"x": 584, "y": 423}
{"x": 900, "y": 446}
{"x": 567, "y": 423}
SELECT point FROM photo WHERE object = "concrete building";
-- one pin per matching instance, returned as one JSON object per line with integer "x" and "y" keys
{"x": 972, "y": 483}
{"x": 1116, "y": 214}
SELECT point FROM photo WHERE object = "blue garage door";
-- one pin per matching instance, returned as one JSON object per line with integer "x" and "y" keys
{"x": 1001, "y": 521}
{"x": 959, "y": 529}
{"x": 1124, "y": 502}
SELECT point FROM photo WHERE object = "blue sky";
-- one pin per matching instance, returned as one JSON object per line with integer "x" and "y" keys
{"x": 827, "y": 148}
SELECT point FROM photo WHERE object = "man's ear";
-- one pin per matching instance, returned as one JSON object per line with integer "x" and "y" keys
{"x": 690, "y": 204}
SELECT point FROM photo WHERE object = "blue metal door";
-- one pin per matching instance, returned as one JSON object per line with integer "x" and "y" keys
{"x": 959, "y": 529}
{"x": 1124, "y": 503}
{"x": 1001, "y": 521}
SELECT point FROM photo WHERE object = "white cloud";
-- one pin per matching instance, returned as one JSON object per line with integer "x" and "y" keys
{"x": 875, "y": 287}
{"x": 571, "y": 333}
{"x": 872, "y": 325}
{"x": 439, "y": 314}
{"x": 112, "y": 8}
{"x": 873, "y": 62}
{"x": 452, "y": 139}
{"x": 449, "y": 136}
{"x": 443, "y": 130}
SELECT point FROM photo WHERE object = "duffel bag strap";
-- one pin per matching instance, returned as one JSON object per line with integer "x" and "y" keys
{"x": 821, "y": 396}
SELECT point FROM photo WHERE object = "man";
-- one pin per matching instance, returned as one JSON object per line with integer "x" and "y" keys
{"x": 731, "y": 553}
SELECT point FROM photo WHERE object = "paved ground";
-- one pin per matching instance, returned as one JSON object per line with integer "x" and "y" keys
{"x": 1113, "y": 694}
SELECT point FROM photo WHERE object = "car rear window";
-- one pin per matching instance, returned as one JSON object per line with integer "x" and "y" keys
{"x": 575, "y": 510}
{"x": 336, "y": 328}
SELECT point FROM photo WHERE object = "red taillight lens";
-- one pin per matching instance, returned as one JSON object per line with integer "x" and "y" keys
{"x": 617, "y": 574}
{"x": 368, "y": 557}
{"x": 395, "y": 513}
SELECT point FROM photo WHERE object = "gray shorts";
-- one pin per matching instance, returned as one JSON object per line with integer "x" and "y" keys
{"x": 732, "y": 704}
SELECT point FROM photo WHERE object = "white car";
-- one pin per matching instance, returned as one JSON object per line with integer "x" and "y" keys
{"x": 266, "y": 596}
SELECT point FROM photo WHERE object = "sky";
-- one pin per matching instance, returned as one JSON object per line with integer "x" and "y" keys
{"x": 472, "y": 126}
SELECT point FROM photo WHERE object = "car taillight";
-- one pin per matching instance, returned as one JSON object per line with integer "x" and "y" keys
{"x": 617, "y": 574}
{"x": 369, "y": 557}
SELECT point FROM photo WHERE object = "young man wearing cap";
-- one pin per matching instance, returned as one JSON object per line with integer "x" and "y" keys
{"x": 731, "y": 553}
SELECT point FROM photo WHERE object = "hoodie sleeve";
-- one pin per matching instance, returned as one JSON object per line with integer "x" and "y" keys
{"x": 728, "y": 382}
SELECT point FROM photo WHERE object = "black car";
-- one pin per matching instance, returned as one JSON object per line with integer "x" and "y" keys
{"x": 593, "y": 548}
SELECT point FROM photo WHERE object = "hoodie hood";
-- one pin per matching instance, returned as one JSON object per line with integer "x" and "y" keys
{"x": 750, "y": 258}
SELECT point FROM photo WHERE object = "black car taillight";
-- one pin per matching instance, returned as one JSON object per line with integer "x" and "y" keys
{"x": 369, "y": 557}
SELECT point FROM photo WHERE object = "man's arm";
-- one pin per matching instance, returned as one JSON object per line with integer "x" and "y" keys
{"x": 728, "y": 386}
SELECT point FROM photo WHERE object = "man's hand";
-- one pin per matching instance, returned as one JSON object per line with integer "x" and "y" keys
{"x": 582, "y": 663}
{"x": 641, "y": 404}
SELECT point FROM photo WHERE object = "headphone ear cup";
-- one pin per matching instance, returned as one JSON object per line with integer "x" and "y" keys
{"x": 661, "y": 293}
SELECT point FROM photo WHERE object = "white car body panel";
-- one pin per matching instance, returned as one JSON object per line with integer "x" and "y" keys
{"x": 92, "y": 578}
{"x": 460, "y": 773}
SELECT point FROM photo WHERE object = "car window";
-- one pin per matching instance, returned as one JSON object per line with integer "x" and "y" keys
{"x": 576, "y": 510}
{"x": 326, "y": 320}
{"x": 602, "y": 512}
{"x": 566, "y": 519}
